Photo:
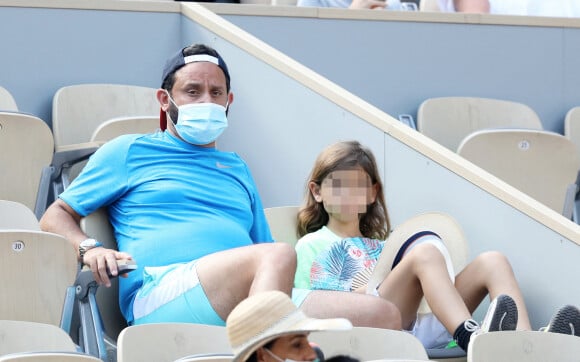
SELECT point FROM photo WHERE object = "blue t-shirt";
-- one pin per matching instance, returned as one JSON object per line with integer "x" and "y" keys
{"x": 169, "y": 202}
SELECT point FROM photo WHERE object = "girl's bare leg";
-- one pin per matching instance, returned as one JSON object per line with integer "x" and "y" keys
{"x": 491, "y": 273}
{"x": 423, "y": 272}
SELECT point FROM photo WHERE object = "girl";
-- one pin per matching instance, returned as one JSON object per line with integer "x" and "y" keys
{"x": 343, "y": 225}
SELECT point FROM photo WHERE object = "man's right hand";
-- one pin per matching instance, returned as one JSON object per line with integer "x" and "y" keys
{"x": 103, "y": 262}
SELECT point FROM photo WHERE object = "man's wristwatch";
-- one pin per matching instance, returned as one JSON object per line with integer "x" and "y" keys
{"x": 87, "y": 245}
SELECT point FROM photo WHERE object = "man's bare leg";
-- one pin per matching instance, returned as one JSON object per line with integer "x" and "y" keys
{"x": 361, "y": 309}
{"x": 232, "y": 275}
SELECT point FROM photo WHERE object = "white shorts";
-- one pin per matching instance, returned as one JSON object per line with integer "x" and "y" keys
{"x": 430, "y": 331}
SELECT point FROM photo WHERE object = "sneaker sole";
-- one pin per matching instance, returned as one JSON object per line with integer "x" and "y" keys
{"x": 502, "y": 315}
{"x": 566, "y": 321}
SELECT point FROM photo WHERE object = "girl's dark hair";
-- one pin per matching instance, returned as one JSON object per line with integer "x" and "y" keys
{"x": 346, "y": 155}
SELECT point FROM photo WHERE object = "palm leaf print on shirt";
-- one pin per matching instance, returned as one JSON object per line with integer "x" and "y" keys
{"x": 336, "y": 267}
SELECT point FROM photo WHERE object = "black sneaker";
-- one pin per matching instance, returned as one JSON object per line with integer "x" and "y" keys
{"x": 502, "y": 315}
{"x": 565, "y": 321}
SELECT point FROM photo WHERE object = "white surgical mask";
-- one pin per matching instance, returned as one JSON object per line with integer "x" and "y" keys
{"x": 285, "y": 360}
{"x": 200, "y": 123}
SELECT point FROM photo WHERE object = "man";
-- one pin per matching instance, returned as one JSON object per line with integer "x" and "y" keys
{"x": 189, "y": 214}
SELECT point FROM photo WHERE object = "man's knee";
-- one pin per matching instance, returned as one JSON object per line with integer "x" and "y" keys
{"x": 282, "y": 254}
{"x": 362, "y": 310}
{"x": 388, "y": 315}
{"x": 379, "y": 313}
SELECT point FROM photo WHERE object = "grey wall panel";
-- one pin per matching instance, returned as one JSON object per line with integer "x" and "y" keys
{"x": 396, "y": 65}
{"x": 45, "y": 49}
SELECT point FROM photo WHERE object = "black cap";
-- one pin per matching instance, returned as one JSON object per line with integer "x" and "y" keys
{"x": 179, "y": 60}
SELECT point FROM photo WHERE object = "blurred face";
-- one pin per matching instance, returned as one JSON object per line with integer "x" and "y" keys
{"x": 293, "y": 347}
{"x": 345, "y": 192}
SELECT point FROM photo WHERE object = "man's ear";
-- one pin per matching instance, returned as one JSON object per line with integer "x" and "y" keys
{"x": 163, "y": 99}
{"x": 315, "y": 191}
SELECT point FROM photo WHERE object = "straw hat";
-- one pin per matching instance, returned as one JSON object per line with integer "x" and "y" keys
{"x": 441, "y": 224}
{"x": 266, "y": 316}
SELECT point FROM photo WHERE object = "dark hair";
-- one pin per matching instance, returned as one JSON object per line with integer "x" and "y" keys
{"x": 176, "y": 62}
{"x": 342, "y": 358}
{"x": 254, "y": 356}
{"x": 347, "y": 155}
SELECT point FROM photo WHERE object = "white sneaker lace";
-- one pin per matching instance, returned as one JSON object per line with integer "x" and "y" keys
{"x": 471, "y": 325}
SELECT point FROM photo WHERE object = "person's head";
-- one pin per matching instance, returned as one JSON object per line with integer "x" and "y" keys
{"x": 195, "y": 94}
{"x": 345, "y": 183}
{"x": 267, "y": 327}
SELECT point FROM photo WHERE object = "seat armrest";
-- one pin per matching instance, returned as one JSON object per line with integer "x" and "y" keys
{"x": 66, "y": 156}
{"x": 85, "y": 279}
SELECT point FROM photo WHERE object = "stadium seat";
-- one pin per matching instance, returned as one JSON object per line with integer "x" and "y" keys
{"x": 48, "y": 357}
{"x": 367, "y": 343}
{"x": 7, "y": 102}
{"x": 542, "y": 164}
{"x": 124, "y": 125}
{"x": 38, "y": 271}
{"x": 170, "y": 341}
{"x": 77, "y": 113}
{"x": 523, "y": 346}
{"x": 37, "y": 268}
{"x": 572, "y": 126}
{"x": 210, "y": 357}
{"x": 454, "y": 239}
{"x": 79, "y": 109}
{"x": 443, "y": 225}
{"x": 572, "y": 132}
{"x": 42, "y": 283}
{"x": 24, "y": 336}
{"x": 97, "y": 225}
{"x": 283, "y": 222}
{"x": 448, "y": 120}
{"x": 26, "y": 147}
{"x": 101, "y": 321}
{"x": 14, "y": 215}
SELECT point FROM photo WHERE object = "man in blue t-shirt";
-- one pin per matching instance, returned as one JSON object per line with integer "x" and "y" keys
{"x": 189, "y": 214}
